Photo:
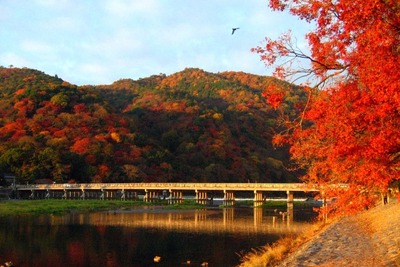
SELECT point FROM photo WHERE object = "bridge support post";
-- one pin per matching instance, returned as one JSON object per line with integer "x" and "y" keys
{"x": 290, "y": 206}
{"x": 32, "y": 195}
{"x": 175, "y": 197}
{"x": 150, "y": 196}
{"x": 201, "y": 197}
{"x": 64, "y": 196}
{"x": 146, "y": 196}
{"x": 172, "y": 197}
{"x": 324, "y": 207}
{"x": 102, "y": 194}
{"x": 47, "y": 196}
{"x": 258, "y": 198}
{"x": 83, "y": 195}
{"x": 229, "y": 198}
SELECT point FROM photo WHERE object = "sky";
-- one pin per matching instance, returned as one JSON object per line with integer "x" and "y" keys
{"x": 92, "y": 42}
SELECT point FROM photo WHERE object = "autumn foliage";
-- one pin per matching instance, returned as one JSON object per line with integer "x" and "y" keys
{"x": 191, "y": 126}
{"x": 349, "y": 130}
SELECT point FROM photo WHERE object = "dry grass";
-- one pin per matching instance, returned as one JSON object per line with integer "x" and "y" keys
{"x": 380, "y": 226}
{"x": 270, "y": 255}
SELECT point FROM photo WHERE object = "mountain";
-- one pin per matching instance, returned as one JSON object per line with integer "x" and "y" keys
{"x": 191, "y": 126}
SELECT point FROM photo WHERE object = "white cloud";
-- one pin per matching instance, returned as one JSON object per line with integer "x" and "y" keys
{"x": 100, "y": 41}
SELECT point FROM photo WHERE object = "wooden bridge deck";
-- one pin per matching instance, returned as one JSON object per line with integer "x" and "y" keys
{"x": 262, "y": 187}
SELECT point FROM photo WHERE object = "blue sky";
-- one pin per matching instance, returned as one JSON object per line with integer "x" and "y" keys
{"x": 101, "y": 41}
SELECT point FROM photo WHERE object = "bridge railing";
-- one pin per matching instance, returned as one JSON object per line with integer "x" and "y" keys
{"x": 175, "y": 186}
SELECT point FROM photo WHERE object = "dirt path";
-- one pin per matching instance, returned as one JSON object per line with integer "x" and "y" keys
{"x": 367, "y": 240}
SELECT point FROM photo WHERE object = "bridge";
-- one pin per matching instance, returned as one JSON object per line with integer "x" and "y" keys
{"x": 173, "y": 192}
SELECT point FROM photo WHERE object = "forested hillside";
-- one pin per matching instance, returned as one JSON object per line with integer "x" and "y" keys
{"x": 191, "y": 126}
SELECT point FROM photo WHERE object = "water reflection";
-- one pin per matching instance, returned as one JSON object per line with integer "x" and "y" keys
{"x": 135, "y": 237}
{"x": 201, "y": 221}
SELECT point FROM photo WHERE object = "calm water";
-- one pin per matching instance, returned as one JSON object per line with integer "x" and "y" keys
{"x": 135, "y": 237}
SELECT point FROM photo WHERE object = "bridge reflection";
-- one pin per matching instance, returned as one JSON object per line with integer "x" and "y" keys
{"x": 199, "y": 221}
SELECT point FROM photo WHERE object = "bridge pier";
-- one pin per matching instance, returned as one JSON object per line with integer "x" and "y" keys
{"x": 102, "y": 194}
{"x": 151, "y": 196}
{"x": 36, "y": 194}
{"x": 290, "y": 206}
{"x": 69, "y": 194}
{"x": 90, "y": 195}
{"x": 131, "y": 194}
{"x": 229, "y": 198}
{"x": 73, "y": 194}
{"x": 324, "y": 206}
{"x": 175, "y": 197}
{"x": 83, "y": 196}
{"x": 258, "y": 198}
{"x": 202, "y": 197}
{"x": 113, "y": 194}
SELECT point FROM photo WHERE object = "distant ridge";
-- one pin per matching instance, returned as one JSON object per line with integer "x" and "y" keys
{"x": 189, "y": 126}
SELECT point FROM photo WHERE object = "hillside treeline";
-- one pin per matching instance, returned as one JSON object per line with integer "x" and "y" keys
{"x": 191, "y": 126}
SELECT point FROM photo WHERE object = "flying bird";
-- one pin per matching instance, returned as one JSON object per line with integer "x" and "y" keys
{"x": 234, "y": 29}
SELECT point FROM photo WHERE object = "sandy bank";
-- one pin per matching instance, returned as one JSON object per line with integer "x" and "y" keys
{"x": 371, "y": 238}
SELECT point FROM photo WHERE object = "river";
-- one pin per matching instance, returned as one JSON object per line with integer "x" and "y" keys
{"x": 143, "y": 236}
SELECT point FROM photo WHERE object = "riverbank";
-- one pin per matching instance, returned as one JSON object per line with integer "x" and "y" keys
{"x": 368, "y": 239}
{"x": 58, "y": 206}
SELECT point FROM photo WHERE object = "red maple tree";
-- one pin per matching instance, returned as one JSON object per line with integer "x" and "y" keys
{"x": 349, "y": 131}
